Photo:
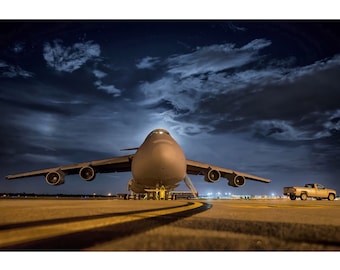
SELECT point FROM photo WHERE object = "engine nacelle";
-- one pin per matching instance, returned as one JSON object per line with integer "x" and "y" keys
{"x": 87, "y": 173}
{"x": 236, "y": 181}
{"x": 55, "y": 178}
{"x": 212, "y": 176}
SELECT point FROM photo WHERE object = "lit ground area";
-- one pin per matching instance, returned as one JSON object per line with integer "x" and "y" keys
{"x": 182, "y": 225}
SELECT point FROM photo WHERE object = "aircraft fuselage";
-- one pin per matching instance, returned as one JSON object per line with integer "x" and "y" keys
{"x": 159, "y": 161}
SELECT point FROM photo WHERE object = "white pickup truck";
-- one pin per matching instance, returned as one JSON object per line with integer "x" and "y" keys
{"x": 317, "y": 191}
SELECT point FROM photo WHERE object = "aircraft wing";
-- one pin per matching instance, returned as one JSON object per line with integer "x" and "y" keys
{"x": 115, "y": 164}
{"x": 213, "y": 173}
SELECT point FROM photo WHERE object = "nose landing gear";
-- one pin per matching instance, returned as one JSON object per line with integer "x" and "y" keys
{"x": 156, "y": 194}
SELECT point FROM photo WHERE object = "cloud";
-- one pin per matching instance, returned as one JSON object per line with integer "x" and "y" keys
{"x": 18, "y": 47}
{"x": 215, "y": 58}
{"x": 172, "y": 90}
{"x": 71, "y": 58}
{"x": 99, "y": 74}
{"x": 3, "y": 64}
{"x": 110, "y": 89}
{"x": 13, "y": 71}
{"x": 147, "y": 62}
{"x": 168, "y": 120}
{"x": 235, "y": 28}
{"x": 321, "y": 65}
{"x": 284, "y": 130}
{"x": 208, "y": 71}
{"x": 223, "y": 88}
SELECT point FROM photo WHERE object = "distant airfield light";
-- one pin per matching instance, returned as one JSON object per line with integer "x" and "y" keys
{"x": 109, "y": 194}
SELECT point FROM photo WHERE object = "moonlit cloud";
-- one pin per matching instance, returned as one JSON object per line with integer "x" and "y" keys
{"x": 147, "y": 62}
{"x": 200, "y": 74}
{"x": 215, "y": 58}
{"x": 171, "y": 90}
{"x": 282, "y": 130}
{"x": 236, "y": 28}
{"x": 13, "y": 71}
{"x": 71, "y": 58}
{"x": 168, "y": 120}
{"x": 331, "y": 125}
{"x": 3, "y": 64}
{"x": 204, "y": 77}
{"x": 292, "y": 74}
{"x": 18, "y": 47}
{"x": 99, "y": 74}
{"x": 110, "y": 89}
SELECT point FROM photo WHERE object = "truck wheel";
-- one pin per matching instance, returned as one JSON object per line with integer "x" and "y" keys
{"x": 331, "y": 197}
{"x": 303, "y": 196}
{"x": 292, "y": 197}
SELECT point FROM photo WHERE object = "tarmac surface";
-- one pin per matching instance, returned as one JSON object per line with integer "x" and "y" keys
{"x": 181, "y": 225}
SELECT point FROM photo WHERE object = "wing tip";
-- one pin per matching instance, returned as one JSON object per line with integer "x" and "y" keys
{"x": 12, "y": 176}
{"x": 268, "y": 180}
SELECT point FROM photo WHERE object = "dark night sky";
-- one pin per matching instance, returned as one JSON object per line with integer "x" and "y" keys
{"x": 257, "y": 96}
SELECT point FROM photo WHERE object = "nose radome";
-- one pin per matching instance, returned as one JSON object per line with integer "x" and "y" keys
{"x": 164, "y": 152}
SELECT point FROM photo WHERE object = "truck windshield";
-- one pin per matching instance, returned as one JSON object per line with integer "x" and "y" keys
{"x": 319, "y": 186}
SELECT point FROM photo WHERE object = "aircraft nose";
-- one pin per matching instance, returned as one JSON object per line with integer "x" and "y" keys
{"x": 167, "y": 158}
{"x": 161, "y": 161}
{"x": 164, "y": 152}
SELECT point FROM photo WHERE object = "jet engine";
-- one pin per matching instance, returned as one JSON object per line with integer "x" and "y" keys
{"x": 212, "y": 176}
{"x": 87, "y": 173}
{"x": 236, "y": 180}
{"x": 55, "y": 178}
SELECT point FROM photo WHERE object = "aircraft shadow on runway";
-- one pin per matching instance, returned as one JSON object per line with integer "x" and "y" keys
{"x": 83, "y": 239}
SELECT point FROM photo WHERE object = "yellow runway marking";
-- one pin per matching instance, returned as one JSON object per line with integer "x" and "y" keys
{"x": 22, "y": 235}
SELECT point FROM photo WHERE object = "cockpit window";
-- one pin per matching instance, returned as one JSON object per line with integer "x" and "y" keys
{"x": 159, "y": 131}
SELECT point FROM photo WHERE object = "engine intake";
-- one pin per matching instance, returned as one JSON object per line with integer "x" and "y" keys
{"x": 55, "y": 178}
{"x": 212, "y": 176}
{"x": 237, "y": 181}
{"x": 87, "y": 173}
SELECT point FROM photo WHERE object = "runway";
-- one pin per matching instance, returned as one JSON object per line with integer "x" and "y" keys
{"x": 182, "y": 225}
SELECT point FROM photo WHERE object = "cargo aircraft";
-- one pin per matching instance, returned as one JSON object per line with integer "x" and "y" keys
{"x": 157, "y": 167}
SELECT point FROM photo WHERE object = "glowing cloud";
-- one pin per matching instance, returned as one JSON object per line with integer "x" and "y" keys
{"x": 71, "y": 58}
